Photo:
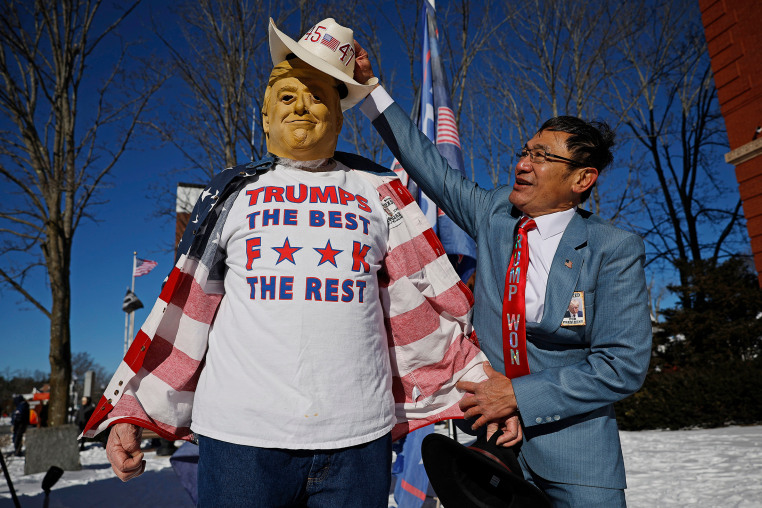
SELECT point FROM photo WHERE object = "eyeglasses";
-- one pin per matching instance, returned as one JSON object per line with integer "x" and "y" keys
{"x": 540, "y": 155}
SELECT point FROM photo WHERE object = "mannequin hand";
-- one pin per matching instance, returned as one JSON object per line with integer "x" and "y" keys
{"x": 123, "y": 451}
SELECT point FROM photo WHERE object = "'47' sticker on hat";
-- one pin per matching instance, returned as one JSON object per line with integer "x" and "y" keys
{"x": 575, "y": 313}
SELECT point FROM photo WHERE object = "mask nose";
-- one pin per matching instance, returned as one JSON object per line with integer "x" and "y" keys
{"x": 299, "y": 104}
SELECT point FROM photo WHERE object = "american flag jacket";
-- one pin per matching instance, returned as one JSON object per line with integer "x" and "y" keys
{"x": 427, "y": 312}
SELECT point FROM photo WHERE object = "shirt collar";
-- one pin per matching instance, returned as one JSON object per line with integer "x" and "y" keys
{"x": 555, "y": 223}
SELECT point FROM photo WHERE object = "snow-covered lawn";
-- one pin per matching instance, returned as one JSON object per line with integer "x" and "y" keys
{"x": 715, "y": 468}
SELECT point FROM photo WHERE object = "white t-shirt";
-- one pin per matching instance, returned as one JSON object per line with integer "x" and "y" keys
{"x": 298, "y": 354}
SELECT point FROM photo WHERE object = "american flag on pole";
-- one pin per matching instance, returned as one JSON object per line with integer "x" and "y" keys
{"x": 447, "y": 129}
{"x": 329, "y": 41}
{"x": 437, "y": 120}
{"x": 143, "y": 266}
{"x": 460, "y": 247}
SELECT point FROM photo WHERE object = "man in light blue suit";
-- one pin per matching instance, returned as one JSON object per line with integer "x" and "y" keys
{"x": 581, "y": 366}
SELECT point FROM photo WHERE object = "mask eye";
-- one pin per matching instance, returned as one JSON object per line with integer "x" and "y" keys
{"x": 287, "y": 97}
{"x": 317, "y": 98}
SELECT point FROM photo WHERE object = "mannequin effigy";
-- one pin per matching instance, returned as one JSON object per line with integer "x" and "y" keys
{"x": 303, "y": 269}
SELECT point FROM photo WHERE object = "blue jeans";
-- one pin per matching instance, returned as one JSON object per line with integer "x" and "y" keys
{"x": 249, "y": 476}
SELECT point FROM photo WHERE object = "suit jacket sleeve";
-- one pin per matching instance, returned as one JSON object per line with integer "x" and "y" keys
{"x": 616, "y": 363}
{"x": 458, "y": 196}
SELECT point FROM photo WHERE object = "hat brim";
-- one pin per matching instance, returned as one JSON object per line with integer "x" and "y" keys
{"x": 467, "y": 478}
{"x": 281, "y": 45}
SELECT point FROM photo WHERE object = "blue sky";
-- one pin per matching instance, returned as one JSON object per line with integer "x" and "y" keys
{"x": 102, "y": 257}
{"x": 100, "y": 274}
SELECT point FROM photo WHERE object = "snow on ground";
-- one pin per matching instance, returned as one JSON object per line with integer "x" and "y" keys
{"x": 711, "y": 468}
{"x": 95, "y": 485}
{"x": 714, "y": 468}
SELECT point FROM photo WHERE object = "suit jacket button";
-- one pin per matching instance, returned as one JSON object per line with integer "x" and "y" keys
{"x": 557, "y": 417}
{"x": 548, "y": 419}
{"x": 539, "y": 420}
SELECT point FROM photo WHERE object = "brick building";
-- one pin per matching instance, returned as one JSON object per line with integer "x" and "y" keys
{"x": 733, "y": 31}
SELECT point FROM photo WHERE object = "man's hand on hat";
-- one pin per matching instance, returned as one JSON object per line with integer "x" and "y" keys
{"x": 512, "y": 433}
{"x": 492, "y": 400}
{"x": 363, "y": 69}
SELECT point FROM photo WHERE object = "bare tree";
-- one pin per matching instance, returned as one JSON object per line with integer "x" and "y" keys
{"x": 81, "y": 363}
{"x": 51, "y": 157}
{"x": 676, "y": 122}
{"x": 222, "y": 61}
{"x": 370, "y": 23}
{"x": 462, "y": 43}
{"x": 555, "y": 58}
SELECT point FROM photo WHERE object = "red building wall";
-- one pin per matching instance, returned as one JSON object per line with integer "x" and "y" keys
{"x": 733, "y": 31}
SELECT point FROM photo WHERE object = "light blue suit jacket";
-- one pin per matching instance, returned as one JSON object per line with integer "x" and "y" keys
{"x": 578, "y": 372}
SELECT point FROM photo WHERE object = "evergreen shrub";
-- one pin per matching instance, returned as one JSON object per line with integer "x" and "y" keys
{"x": 693, "y": 396}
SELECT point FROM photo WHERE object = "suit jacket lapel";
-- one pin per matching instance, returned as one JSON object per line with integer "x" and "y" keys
{"x": 564, "y": 273}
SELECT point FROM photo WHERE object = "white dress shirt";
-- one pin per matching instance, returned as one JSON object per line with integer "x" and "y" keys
{"x": 543, "y": 243}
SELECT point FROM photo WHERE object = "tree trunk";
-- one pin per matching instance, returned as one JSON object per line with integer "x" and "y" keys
{"x": 58, "y": 260}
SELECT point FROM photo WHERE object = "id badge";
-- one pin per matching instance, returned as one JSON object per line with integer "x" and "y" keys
{"x": 575, "y": 313}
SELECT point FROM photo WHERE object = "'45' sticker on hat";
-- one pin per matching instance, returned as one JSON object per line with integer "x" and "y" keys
{"x": 318, "y": 34}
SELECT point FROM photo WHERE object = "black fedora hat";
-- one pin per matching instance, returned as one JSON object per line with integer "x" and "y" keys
{"x": 483, "y": 475}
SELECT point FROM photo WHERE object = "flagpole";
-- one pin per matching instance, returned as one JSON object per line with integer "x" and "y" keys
{"x": 134, "y": 264}
{"x": 128, "y": 315}
{"x": 126, "y": 320}
{"x": 132, "y": 314}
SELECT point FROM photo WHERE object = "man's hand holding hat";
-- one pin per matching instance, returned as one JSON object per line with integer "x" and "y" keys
{"x": 492, "y": 401}
{"x": 363, "y": 68}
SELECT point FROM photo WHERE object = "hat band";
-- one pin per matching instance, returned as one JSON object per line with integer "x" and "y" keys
{"x": 489, "y": 456}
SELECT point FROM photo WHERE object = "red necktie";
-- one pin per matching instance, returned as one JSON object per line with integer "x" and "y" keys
{"x": 514, "y": 311}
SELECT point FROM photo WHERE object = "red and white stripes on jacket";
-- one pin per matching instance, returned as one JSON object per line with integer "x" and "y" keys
{"x": 427, "y": 311}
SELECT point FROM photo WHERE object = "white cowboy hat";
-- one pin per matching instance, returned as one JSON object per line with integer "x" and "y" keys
{"x": 328, "y": 47}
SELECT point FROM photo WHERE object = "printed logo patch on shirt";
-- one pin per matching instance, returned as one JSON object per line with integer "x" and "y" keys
{"x": 393, "y": 215}
{"x": 575, "y": 313}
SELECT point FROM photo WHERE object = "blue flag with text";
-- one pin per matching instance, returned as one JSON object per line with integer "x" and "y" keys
{"x": 436, "y": 119}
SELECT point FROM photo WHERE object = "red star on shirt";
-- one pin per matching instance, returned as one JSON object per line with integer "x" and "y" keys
{"x": 286, "y": 253}
{"x": 327, "y": 254}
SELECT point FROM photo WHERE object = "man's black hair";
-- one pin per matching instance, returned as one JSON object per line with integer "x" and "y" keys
{"x": 590, "y": 142}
